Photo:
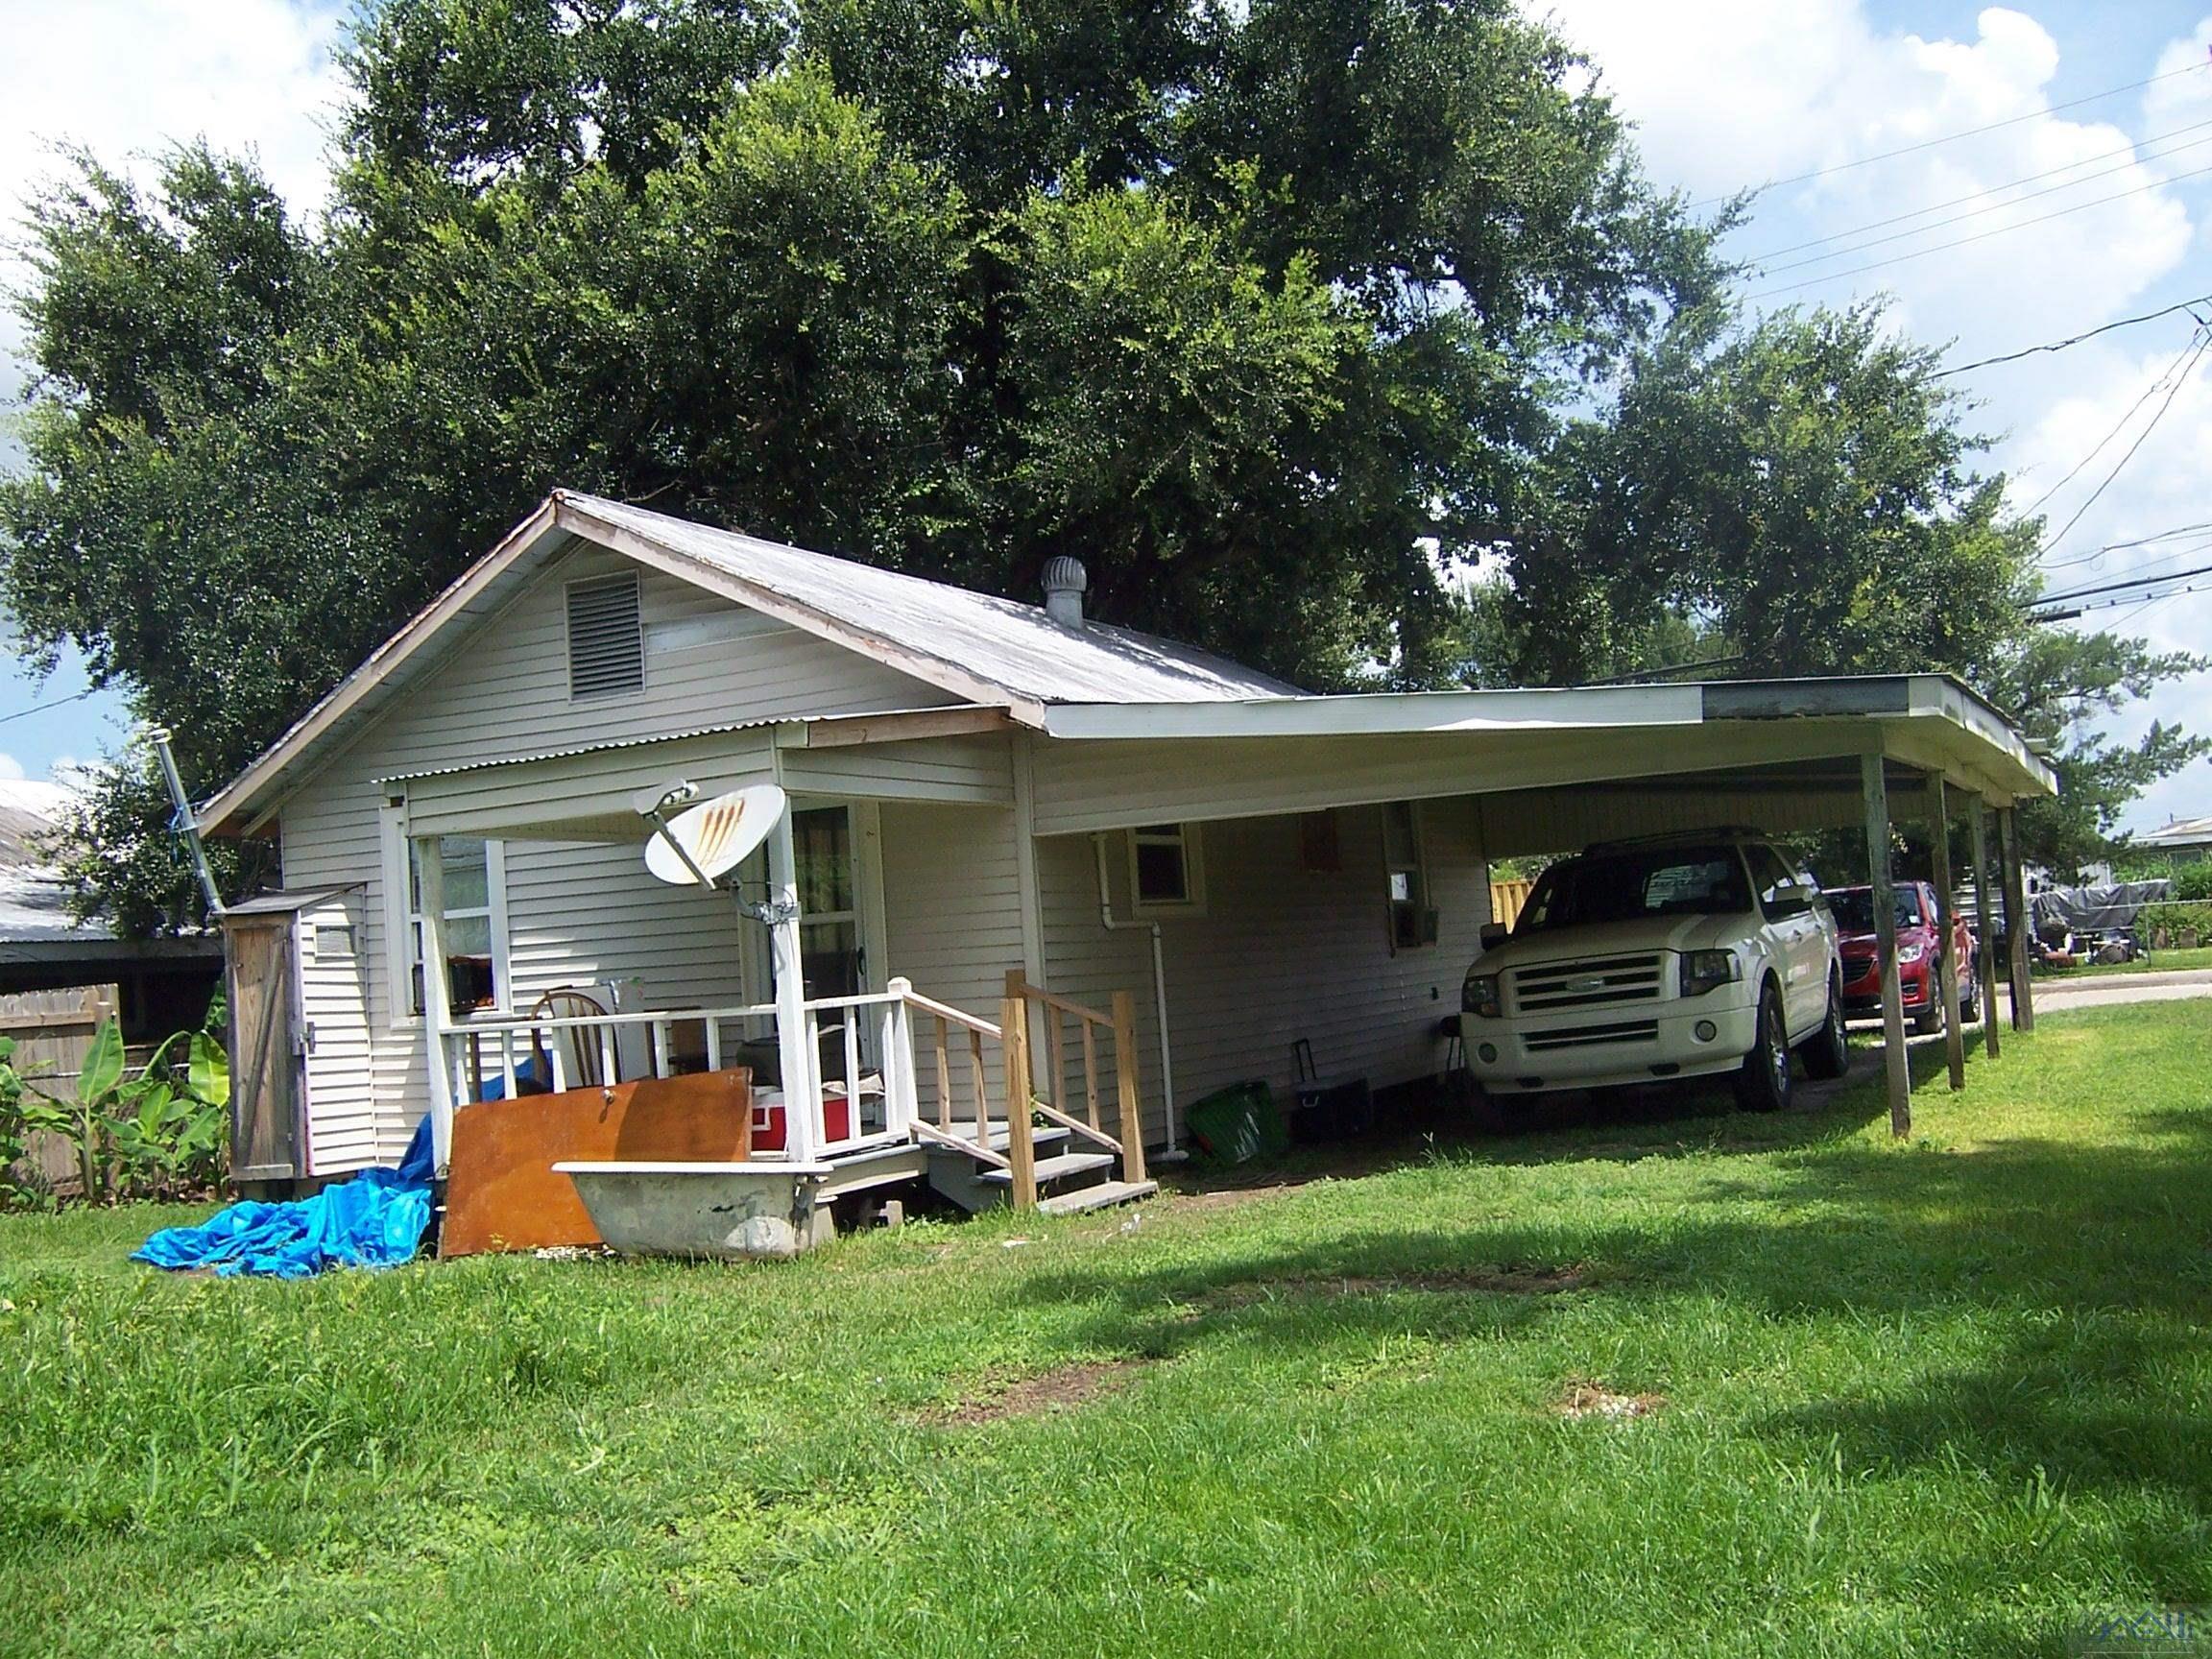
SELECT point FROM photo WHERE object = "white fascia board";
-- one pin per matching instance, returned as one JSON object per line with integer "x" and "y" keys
{"x": 1940, "y": 696}
{"x": 1382, "y": 714}
{"x": 466, "y": 594}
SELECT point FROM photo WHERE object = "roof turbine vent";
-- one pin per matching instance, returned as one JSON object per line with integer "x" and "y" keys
{"x": 1065, "y": 581}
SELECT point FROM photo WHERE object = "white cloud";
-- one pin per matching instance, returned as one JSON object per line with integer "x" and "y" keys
{"x": 129, "y": 78}
{"x": 10, "y": 768}
{"x": 1754, "y": 92}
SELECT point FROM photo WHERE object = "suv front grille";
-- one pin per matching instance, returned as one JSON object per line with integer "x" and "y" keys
{"x": 1589, "y": 1036}
{"x": 1596, "y": 982}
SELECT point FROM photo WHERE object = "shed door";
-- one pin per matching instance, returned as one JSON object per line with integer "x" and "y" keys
{"x": 265, "y": 1060}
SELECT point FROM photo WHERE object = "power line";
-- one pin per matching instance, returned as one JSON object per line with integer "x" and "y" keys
{"x": 1982, "y": 236}
{"x": 42, "y": 708}
{"x": 2127, "y": 150}
{"x": 2141, "y": 604}
{"x": 2176, "y": 534}
{"x": 2118, "y": 426}
{"x": 2204, "y": 340}
{"x": 1959, "y": 218}
{"x": 1951, "y": 137}
{"x": 2123, "y": 584}
{"x": 2073, "y": 339}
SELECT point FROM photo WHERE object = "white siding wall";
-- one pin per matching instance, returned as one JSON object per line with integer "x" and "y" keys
{"x": 1280, "y": 953}
{"x": 952, "y": 920}
{"x": 574, "y": 912}
{"x": 333, "y": 989}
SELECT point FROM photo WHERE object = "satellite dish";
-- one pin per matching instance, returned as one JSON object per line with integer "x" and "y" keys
{"x": 717, "y": 835}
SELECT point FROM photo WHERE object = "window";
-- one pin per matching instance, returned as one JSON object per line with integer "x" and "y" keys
{"x": 1320, "y": 847}
{"x": 1633, "y": 884}
{"x": 1412, "y": 922}
{"x": 1166, "y": 874}
{"x": 1771, "y": 876}
{"x": 606, "y": 639}
{"x": 475, "y": 924}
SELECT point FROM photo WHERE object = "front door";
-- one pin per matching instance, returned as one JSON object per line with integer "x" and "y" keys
{"x": 832, "y": 946}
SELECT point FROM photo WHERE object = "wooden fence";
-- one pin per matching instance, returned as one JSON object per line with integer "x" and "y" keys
{"x": 52, "y": 1029}
{"x": 1505, "y": 900}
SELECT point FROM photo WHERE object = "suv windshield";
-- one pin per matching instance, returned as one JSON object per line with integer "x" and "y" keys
{"x": 1854, "y": 908}
{"x": 1633, "y": 884}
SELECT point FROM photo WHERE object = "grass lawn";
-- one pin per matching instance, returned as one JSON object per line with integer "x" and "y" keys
{"x": 1850, "y": 1398}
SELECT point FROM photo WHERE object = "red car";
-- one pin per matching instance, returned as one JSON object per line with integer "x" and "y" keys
{"x": 1919, "y": 958}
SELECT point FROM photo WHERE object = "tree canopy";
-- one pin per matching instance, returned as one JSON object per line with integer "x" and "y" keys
{"x": 1336, "y": 297}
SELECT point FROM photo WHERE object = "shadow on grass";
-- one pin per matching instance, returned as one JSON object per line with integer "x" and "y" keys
{"x": 2082, "y": 1268}
{"x": 1655, "y": 1120}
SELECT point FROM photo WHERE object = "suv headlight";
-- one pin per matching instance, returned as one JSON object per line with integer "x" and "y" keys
{"x": 1704, "y": 969}
{"x": 1910, "y": 952}
{"x": 1479, "y": 995}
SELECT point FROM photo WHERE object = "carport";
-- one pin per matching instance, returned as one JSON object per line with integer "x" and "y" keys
{"x": 1545, "y": 771}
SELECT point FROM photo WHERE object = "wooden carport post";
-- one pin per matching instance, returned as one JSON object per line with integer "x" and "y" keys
{"x": 1896, "y": 1063}
{"x": 1947, "y": 963}
{"x": 2017, "y": 925}
{"x": 1986, "y": 902}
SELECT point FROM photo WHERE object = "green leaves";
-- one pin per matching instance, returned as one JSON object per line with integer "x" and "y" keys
{"x": 207, "y": 1076}
{"x": 1287, "y": 298}
{"x": 103, "y": 1066}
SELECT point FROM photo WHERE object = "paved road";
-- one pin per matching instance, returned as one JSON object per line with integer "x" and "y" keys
{"x": 2107, "y": 990}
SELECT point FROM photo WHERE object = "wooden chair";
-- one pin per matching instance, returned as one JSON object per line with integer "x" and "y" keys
{"x": 582, "y": 1060}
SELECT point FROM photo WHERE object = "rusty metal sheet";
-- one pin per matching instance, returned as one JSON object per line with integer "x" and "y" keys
{"x": 501, "y": 1193}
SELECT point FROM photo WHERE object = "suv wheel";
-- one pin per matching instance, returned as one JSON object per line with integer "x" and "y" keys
{"x": 1827, "y": 1052}
{"x": 1764, "y": 1084}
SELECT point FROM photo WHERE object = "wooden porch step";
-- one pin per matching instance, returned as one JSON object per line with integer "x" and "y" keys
{"x": 1096, "y": 1197}
{"x": 1055, "y": 1168}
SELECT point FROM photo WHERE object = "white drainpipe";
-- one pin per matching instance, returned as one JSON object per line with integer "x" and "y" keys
{"x": 1107, "y": 921}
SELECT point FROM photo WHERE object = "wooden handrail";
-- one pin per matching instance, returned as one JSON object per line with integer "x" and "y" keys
{"x": 946, "y": 1012}
{"x": 1015, "y": 985}
{"x": 1089, "y": 1131}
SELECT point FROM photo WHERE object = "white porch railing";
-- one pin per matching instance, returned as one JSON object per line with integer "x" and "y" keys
{"x": 847, "y": 1107}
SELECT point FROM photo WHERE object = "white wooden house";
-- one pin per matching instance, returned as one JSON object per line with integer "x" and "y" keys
{"x": 981, "y": 788}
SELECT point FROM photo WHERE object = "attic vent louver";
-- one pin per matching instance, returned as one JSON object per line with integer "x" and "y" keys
{"x": 606, "y": 642}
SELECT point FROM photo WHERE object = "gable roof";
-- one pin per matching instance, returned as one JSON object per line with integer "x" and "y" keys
{"x": 996, "y": 652}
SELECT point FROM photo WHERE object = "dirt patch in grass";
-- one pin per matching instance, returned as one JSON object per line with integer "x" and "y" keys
{"x": 1584, "y": 1399}
{"x": 1523, "y": 1281}
{"x": 1057, "y": 1390}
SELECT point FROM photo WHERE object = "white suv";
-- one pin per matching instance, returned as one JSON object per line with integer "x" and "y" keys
{"x": 1683, "y": 956}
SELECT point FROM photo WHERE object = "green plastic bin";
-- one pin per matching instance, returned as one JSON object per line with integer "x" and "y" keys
{"x": 1238, "y": 1124}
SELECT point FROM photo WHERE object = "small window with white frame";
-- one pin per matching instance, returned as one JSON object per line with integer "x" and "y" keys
{"x": 1412, "y": 918}
{"x": 475, "y": 924}
{"x": 1167, "y": 875}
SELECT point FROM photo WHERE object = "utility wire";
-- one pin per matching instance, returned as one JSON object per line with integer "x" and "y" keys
{"x": 2073, "y": 339}
{"x": 2127, "y": 150}
{"x": 2177, "y": 533}
{"x": 1952, "y": 138}
{"x": 42, "y": 708}
{"x": 2203, "y": 339}
{"x": 2118, "y": 426}
{"x": 2123, "y": 584}
{"x": 1959, "y": 218}
{"x": 1981, "y": 236}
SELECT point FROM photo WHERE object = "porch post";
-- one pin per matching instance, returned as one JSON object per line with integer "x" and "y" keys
{"x": 436, "y": 988}
{"x": 795, "y": 1051}
{"x": 1985, "y": 903}
{"x": 1947, "y": 964}
{"x": 2018, "y": 924}
{"x": 1896, "y": 1063}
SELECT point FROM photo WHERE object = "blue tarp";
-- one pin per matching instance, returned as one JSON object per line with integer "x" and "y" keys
{"x": 376, "y": 1219}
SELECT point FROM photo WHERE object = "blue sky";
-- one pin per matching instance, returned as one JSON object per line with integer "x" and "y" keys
{"x": 1725, "y": 93}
